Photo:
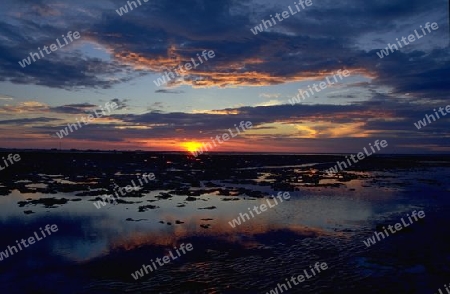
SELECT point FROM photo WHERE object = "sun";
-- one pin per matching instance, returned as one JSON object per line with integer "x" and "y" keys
{"x": 191, "y": 146}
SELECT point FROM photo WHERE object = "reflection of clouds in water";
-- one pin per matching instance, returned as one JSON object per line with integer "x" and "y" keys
{"x": 327, "y": 212}
{"x": 69, "y": 229}
{"x": 101, "y": 232}
{"x": 97, "y": 233}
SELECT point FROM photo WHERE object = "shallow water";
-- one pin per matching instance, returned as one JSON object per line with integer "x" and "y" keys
{"x": 96, "y": 250}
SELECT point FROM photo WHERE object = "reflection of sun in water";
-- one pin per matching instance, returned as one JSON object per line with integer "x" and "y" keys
{"x": 191, "y": 146}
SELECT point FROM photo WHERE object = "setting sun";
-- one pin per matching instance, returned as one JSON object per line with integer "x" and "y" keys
{"x": 191, "y": 146}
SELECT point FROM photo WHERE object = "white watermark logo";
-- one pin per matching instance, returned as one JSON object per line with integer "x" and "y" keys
{"x": 263, "y": 207}
{"x": 178, "y": 71}
{"x": 393, "y": 229}
{"x": 165, "y": 260}
{"x": 124, "y": 9}
{"x": 342, "y": 165}
{"x": 285, "y": 14}
{"x": 411, "y": 38}
{"x": 11, "y": 158}
{"x": 31, "y": 240}
{"x": 113, "y": 198}
{"x": 446, "y": 288}
{"x": 322, "y": 86}
{"x": 423, "y": 123}
{"x": 225, "y": 137}
{"x": 53, "y": 48}
{"x": 65, "y": 132}
{"x": 308, "y": 274}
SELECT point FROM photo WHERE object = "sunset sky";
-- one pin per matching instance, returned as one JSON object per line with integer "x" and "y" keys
{"x": 251, "y": 77}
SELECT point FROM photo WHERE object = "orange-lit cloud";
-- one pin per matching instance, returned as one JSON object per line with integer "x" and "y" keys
{"x": 25, "y": 107}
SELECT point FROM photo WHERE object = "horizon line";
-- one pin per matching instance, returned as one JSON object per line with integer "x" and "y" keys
{"x": 205, "y": 153}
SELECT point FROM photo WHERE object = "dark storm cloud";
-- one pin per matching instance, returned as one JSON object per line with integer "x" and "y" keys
{"x": 416, "y": 72}
{"x": 164, "y": 33}
{"x": 27, "y": 26}
{"x": 56, "y": 70}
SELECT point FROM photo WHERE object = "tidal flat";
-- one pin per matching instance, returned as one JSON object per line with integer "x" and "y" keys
{"x": 193, "y": 199}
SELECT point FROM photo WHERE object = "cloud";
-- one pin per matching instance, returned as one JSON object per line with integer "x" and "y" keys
{"x": 348, "y": 96}
{"x": 270, "y": 103}
{"x": 340, "y": 126}
{"x": 398, "y": 90}
{"x": 38, "y": 107}
{"x": 299, "y": 48}
{"x": 270, "y": 95}
{"x": 74, "y": 108}
{"x": 25, "y": 107}
{"x": 165, "y": 91}
{"x": 121, "y": 104}
{"x": 157, "y": 106}
{"x": 27, "y": 121}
